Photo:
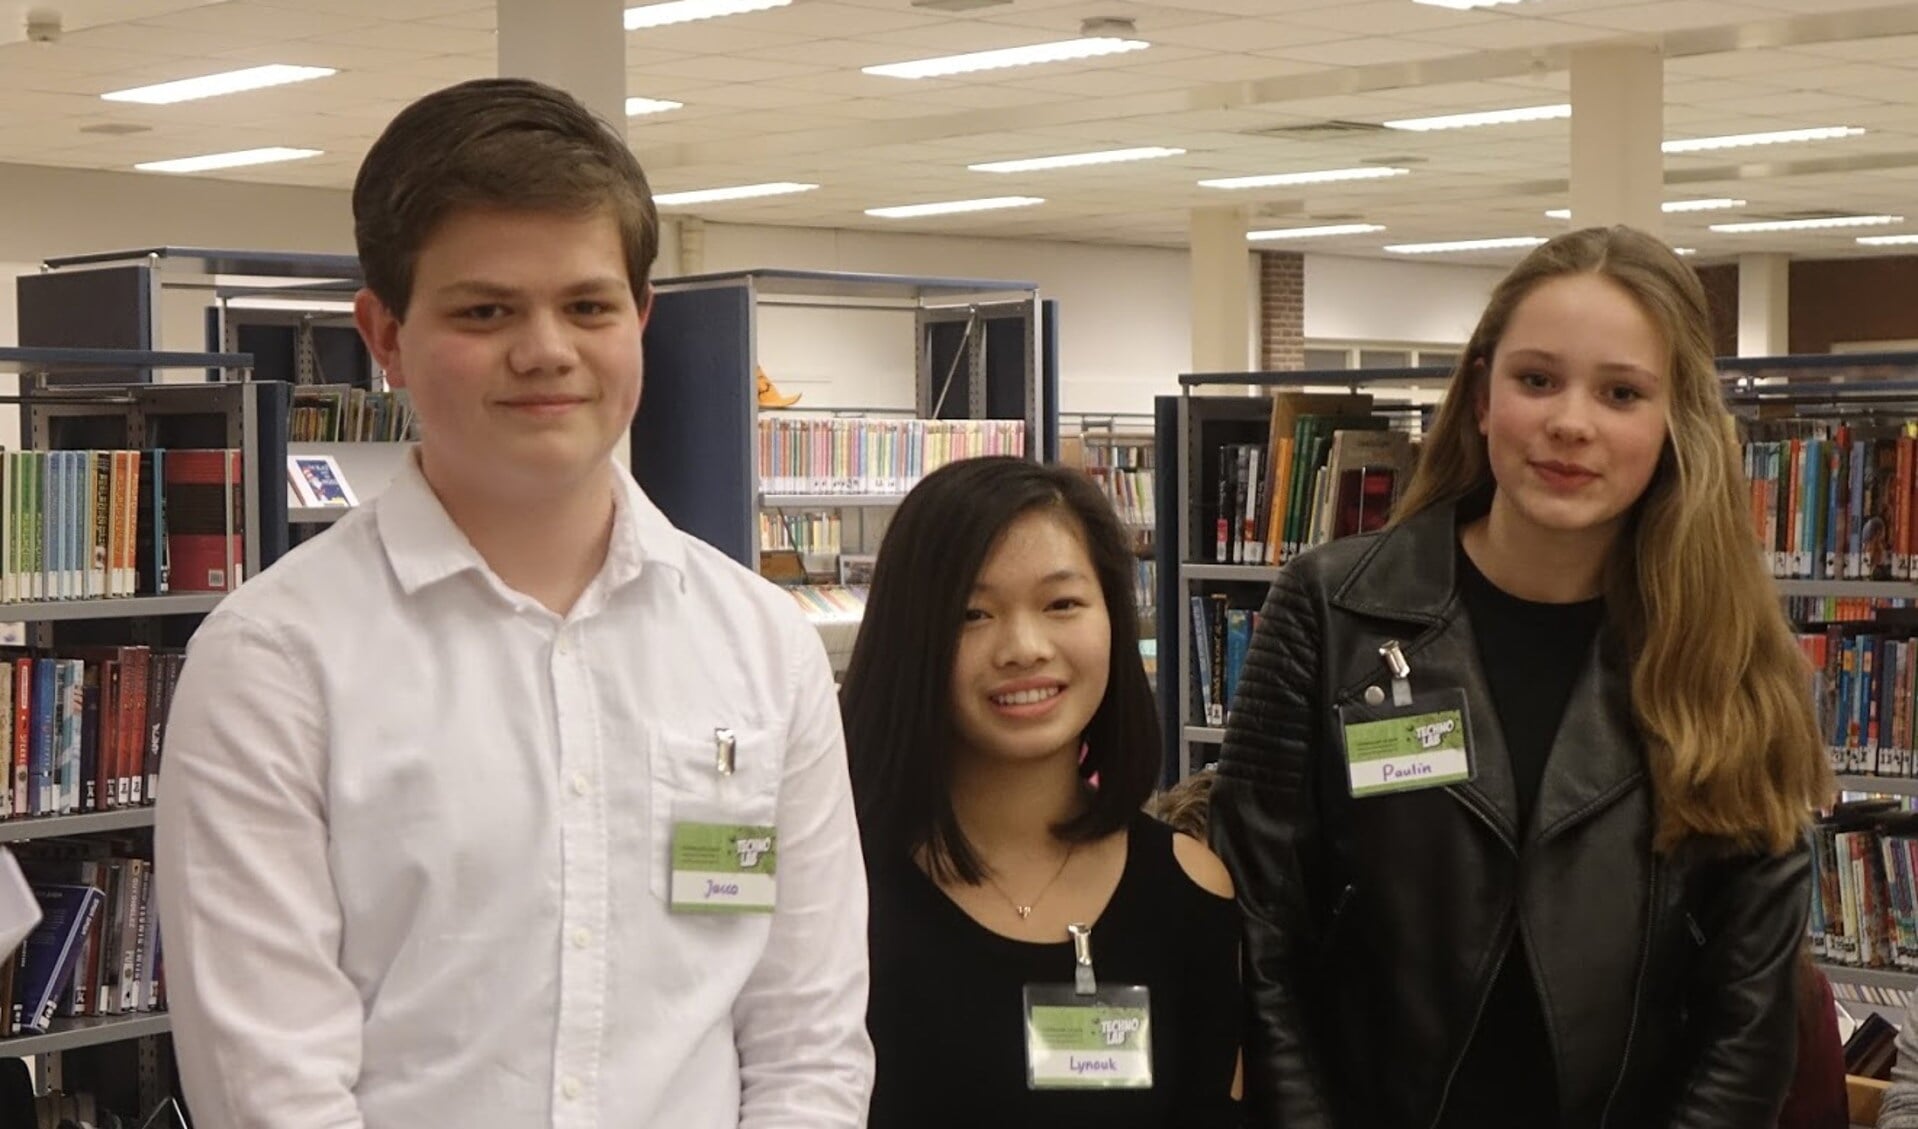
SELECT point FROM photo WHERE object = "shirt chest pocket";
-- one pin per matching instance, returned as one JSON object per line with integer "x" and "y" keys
{"x": 691, "y": 784}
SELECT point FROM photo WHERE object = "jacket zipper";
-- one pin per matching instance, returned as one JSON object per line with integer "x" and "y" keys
{"x": 1638, "y": 995}
{"x": 1484, "y": 997}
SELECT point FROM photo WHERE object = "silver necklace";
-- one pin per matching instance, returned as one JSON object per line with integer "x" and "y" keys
{"x": 1025, "y": 911}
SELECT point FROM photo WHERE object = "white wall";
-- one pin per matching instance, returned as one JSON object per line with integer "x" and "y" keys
{"x": 1124, "y": 335}
{"x": 1349, "y": 299}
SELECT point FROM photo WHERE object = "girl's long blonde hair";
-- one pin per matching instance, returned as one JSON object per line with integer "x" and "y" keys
{"x": 1720, "y": 690}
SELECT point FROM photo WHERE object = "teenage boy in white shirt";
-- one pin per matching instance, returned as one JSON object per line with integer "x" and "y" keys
{"x": 423, "y": 777}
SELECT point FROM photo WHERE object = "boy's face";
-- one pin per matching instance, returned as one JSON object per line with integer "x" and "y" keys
{"x": 521, "y": 352}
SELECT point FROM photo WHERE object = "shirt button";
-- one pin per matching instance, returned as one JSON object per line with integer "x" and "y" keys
{"x": 581, "y": 785}
{"x": 564, "y": 646}
{"x": 582, "y": 938}
{"x": 569, "y": 1087}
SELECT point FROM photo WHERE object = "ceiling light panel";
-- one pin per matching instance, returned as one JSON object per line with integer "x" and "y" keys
{"x": 637, "y": 106}
{"x": 731, "y": 192}
{"x": 1668, "y": 207}
{"x": 214, "y": 85}
{"x": 1059, "y": 51}
{"x": 1821, "y": 223}
{"x": 1773, "y": 137}
{"x": 1077, "y": 160}
{"x": 1315, "y": 232}
{"x": 1483, "y": 118}
{"x": 685, "y": 11}
{"x": 1318, "y": 176}
{"x": 952, "y": 207}
{"x": 239, "y": 158}
{"x": 1500, "y": 244}
{"x": 1887, "y": 240}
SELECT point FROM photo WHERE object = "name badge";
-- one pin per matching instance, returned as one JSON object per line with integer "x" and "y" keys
{"x": 723, "y": 868}
{"x": 1101, "y": 1041}
{"x": 1423, "y": 743}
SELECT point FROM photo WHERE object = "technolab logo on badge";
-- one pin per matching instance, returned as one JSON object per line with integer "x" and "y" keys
{"x": 1115, "y": 1032}
{"x": 750, "y": 849}
{"x": 1430, "y": 735}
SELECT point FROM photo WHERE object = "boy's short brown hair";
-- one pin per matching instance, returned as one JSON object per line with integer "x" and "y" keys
{"x": 508, "y": 143}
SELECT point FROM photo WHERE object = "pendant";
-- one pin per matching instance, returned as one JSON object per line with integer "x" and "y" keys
{"x": 1024, "y": 912}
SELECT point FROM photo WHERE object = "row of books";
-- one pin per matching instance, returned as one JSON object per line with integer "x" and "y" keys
{"x": 830, "y": 601}
{"x": 806, "y": 532}
{"x": 93, "y": 524}
{"x": 1832, "y": 500}
{"x": 96, "y": 951}
{"x": 1329, "y": 468}
{"x": 1865, "y": 909}
{"x": 341, "y": 413}
{"x": 82, "y": 728}
{"x": 1865, "y": 684}
{"x": 1145, "y": 585}
{"x": 1130, "y": 490}
{"x": 872, "y": 456}
{"x": 1841, "y": 609}
{"x": 1221, "y": 635}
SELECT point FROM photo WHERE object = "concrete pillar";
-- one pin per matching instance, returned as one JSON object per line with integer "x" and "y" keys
{"x": 1221, "y": 291}
{"x": 1764, "y": 305}
{"x": 1618, "y": 124}
{"x": 576, "y": 45}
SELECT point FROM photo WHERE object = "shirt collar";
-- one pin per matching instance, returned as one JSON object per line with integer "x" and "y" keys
{"x": 423, "y": 544}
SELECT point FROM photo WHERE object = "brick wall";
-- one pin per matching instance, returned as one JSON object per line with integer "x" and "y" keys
{"x": 1281, "y": 311}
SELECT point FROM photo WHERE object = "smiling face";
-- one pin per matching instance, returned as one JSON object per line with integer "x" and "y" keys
{"x": 1035, "y": 652}
{"x": 1574, "y": 408}
{"x": 520, "y": 350}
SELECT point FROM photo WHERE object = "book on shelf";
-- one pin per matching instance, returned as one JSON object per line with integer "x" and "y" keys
{"x": 46, "y": 964}
{"x": 121, "y": 964}
{"x": 81, "y": 728}
{"x": 1221, "y": 636}
{"x": 851, "y": 457}
{"x": 341, "y": 413}
{"x": 1864, "y": 910}
{"x": 1832, "y": 499}
{"x": 205, "y": 519}
{"x": 1327, "y": 469}
{"x": 317, "y": 481}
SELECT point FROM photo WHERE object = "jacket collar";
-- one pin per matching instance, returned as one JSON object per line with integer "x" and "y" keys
{"x": 1409, "y": 574}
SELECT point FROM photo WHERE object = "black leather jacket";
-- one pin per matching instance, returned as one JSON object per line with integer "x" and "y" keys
{"x": 1374, "y": 928}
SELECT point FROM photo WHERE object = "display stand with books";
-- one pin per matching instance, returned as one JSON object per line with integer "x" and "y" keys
{"x": 132, "y": 512}
{"x": 791, "y": 488}
{"x": 1244, "y": 484}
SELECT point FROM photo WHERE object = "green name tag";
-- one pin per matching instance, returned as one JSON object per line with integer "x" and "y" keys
{"x": 1400, "y": 754}
{"x": 723, "y": 868}
{"x": 1099, "y": 1042}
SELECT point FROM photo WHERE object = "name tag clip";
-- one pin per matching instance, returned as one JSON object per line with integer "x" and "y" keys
{"x": 724, "y": 748}
{"x": 1082, "y": 979}
{"x": 1401, "y": 670}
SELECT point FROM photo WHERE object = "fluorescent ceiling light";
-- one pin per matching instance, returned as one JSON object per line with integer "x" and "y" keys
{"x": 315, "y": 305}
{"x": 1775, "y": 137}
{"x": 1315, "y": 232}
{"x": 1464, "y": 245}
{"x": 1055, "y": 52}
{"x": 212, "y": 85}
{"x": 237, "y": 159}
{"x": 1074, "y": 160}
{"x": 1819, "y": 224}
{"x": 685, "y": 11}
{"x": 1887, "y": 240}
{"x": 1462, "y": 5}
{"x": 1684, "y": 250}
{"x": 1713, "y": 205}
{"x": 734, "y": 192}
{"x": 1484, "y": 117}
{"x": 638, "y": 106}
{"x": 908, "y": 211}
{"x": 1321, "y": 176}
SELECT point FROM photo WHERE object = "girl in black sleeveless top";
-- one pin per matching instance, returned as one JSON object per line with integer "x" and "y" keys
{"x": 1002, "y": 737}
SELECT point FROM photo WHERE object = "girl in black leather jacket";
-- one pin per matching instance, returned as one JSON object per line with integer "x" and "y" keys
{"x": 1514, "y": 792}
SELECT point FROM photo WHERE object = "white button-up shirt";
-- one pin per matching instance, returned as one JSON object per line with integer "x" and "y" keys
{"x": 414, "y": 831}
